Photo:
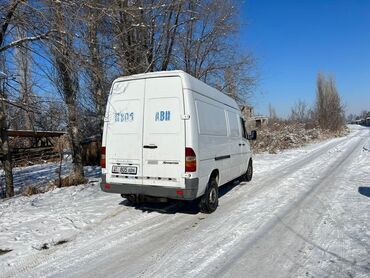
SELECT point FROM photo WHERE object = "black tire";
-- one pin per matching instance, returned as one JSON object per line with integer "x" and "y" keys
{"x": 132, "y": 199}
{"x": 209, "y": 201}
{"x": 249, "y": 173}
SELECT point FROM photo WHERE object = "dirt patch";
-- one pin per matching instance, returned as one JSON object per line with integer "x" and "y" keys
{"x": 47, "y": 245}
{"x": 60, "y": 242}
{"x": 4, "y": 251}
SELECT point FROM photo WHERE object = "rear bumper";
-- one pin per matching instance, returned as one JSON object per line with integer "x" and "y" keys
{"x": 188, "y": 193}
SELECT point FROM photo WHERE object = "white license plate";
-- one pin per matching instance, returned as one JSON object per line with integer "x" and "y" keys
{"x": 125, "y": 170}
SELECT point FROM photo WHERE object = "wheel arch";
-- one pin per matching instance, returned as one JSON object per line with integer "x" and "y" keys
{"x": 216, "y": 175}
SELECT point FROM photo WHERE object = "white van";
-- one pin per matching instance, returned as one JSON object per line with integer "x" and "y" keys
{"x": 167, "y": 134}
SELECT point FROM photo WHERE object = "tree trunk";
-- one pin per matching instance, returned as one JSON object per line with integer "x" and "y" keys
{"x": 74, "y": 134}
{"x": 64, "y": 62}
{"x": 96, "y": 68}
{"x": 25, "y": 84}
{"x": 5, "y": 151}
{"x": 70, "y": 94}
{"x": 6, "y": 155}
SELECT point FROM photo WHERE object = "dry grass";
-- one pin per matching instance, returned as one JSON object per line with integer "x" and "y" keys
{"x": 31, "y": 190}
{"x": 282, "y": 135}
{"x": 67, "y": 181}
{"x": 71, "y": 180}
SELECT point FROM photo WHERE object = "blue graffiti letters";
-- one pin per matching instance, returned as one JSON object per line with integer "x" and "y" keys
{"x": 162, "y": 116}
{"x": 124, "y": 117}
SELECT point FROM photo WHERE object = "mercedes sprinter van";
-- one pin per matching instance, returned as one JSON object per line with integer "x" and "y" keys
{"x": 167, "y": 134}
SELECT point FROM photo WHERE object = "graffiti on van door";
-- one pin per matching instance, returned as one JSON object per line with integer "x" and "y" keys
{"x": 162, "y": 116}
{"x": 124, "y": 117}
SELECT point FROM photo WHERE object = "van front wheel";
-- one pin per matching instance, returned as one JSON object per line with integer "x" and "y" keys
{"x": 249, "y": 173}
{"x": 209, "y": 201}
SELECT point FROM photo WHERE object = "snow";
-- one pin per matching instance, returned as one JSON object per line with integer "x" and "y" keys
{"x": 302, "y": 215}
{"x": 41, "y": 174}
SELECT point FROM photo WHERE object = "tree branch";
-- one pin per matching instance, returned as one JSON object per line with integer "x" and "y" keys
{"x": 18, "y": 105}
{"x": 27, "y": 39}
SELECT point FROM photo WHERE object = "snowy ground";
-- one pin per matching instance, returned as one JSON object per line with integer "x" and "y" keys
{"x": 305, "y": 214}
{"x": 41, "y": 174}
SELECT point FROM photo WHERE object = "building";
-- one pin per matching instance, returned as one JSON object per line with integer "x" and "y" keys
{"x": 367, "y": 121}
{"x": 252, "y": 120}
{"x": 260, "y": 121}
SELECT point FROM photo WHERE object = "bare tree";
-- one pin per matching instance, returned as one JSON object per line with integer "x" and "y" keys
{"x": 24, "y": 78}
{"x": 86, "y": 44}
{"x": 329, "y": 109}
{"x": 363, "y": 114}
{"x": 94, "y": 34}
{"x": 300, "y": 112}
{"x": 272, "y": 113}
{"x": 62, "y": 49}
{"x": 195, "y": 36}
{"x": 52, "y": 116}
{"x": 6, "y": 157}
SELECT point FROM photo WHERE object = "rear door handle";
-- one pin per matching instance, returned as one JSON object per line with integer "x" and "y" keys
{"x": 150, "y": 147}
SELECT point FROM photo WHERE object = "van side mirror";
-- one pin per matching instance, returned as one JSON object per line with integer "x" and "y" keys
{"x": 253, "y": 135}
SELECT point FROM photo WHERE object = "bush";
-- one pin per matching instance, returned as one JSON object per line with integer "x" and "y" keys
{"x": 70, "y": 180}
{"x": 31, "y": 190}
{"x": 287, "y": 135}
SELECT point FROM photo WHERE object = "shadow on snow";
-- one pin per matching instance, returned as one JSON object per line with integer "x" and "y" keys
{"x": 364, "y": 190}
{"x": 178, "y": 206}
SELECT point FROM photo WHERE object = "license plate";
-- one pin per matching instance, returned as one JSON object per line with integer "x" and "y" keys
{"x": 125, "y": 170}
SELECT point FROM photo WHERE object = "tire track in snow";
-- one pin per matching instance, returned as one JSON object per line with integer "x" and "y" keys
{"x": 239, "y": 231}
{"x": 295, "y": 208}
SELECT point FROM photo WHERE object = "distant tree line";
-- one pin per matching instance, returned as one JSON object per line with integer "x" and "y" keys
{"x": 58, "y": 59}
{"x": 360, "y": 118}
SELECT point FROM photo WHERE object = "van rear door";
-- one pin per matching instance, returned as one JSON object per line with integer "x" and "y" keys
{"x": 164, "y": 132}
{"x": 145, "y": 138}
{"x": 124, "y": 132}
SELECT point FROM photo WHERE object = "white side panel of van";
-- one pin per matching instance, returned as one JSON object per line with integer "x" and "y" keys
{"x": 124, "y": 129}
{"x": 235, "y": 144}
{"x": 213, "y": 142}
{"x": 164, "y": 134}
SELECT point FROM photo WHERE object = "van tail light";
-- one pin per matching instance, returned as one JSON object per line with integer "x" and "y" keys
{"x": 190, "y": 160}
{"x": 102, "y": 157}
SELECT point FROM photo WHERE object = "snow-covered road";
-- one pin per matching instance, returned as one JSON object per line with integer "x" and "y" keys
{"x": 305, "y": 214}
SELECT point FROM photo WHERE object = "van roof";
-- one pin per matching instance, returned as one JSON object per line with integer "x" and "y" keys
{"x": 189, "y": 82}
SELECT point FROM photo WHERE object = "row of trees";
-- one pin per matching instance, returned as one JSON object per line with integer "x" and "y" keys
{"x": 58, "y": 58}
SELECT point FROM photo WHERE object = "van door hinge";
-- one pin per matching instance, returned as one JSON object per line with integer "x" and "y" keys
{"x": 187, "y": 176}
{"x": 185, "y": 117}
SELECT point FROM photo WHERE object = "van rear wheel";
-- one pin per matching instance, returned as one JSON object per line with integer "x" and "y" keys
{"x": 209, "y": 201}
{"x": 131, "y": 198}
